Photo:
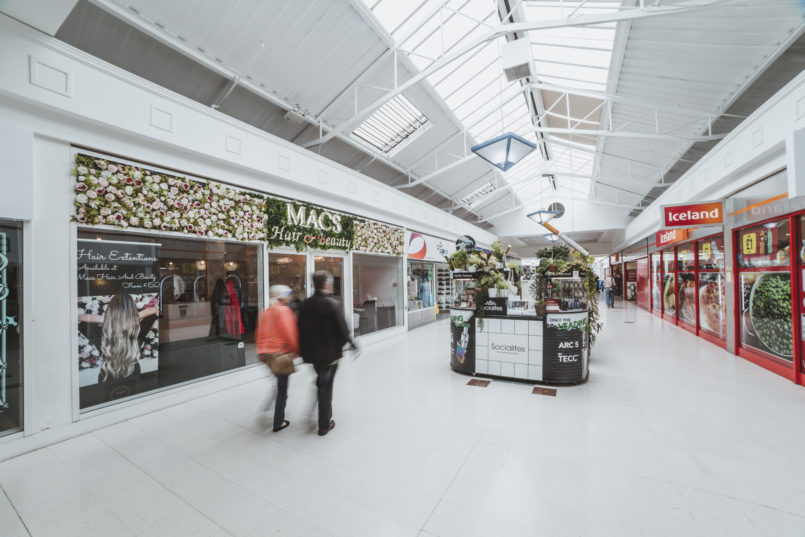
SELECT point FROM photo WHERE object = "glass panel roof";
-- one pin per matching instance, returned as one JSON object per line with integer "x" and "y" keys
{"x": 475, "y": 87}
{"x": 391, "y": 124}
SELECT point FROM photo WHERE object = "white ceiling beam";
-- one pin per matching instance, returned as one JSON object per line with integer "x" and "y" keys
{"x": 503, "y": 29}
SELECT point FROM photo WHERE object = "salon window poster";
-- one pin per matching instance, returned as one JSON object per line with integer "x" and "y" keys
{"x": 118, "y": 312}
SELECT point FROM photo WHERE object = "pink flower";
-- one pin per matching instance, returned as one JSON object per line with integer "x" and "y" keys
{"x": 164, "y": 227}
{"x": 110, "y": 197}
{"x": 121, "y": 168}
{"x": 129, "y": 180}
{"x": 81, "y": 187}
{"x": 138, "y": 182}
{"x": 81, "y": 218}
{"x": 100, "y": 191}
{"x": 118, "y": 216}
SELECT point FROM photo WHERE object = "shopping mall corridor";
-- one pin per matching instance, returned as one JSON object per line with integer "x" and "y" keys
{"x": 671, "y": 436}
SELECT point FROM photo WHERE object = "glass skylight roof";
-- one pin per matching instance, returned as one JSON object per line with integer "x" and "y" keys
{"x": 391, "y": 124}
{"x": 477, "y": 195}
{"x": 476, "y": 89}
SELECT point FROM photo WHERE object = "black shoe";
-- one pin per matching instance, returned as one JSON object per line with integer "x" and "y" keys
{"x": 322, "y": 432}
{"x": 285, "y": 423}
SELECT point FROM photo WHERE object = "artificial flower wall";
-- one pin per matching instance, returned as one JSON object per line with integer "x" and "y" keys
{"x": 378, "y": 238}
{"x": 121, "y": 195}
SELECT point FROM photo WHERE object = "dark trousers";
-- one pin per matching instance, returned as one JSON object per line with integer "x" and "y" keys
{"x": 324, "y": 386}
{"x": 282, "y": 397}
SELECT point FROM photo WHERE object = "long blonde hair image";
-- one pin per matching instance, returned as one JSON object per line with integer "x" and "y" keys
{"x": 119, "y": 346}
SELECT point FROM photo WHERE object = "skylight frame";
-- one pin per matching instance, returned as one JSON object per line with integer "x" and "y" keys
{"x": 476, "y": 196}
{"x": 392, "y": 125}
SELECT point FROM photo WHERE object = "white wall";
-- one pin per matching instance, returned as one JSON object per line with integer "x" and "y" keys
{"x": 53, "y": 97}
{"x": 755, "y": 149}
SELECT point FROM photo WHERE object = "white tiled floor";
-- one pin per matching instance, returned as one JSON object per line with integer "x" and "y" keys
{"x": 670, "y": 437}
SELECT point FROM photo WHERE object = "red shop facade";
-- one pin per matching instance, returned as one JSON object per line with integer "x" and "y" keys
{"x": 740, "y": 286}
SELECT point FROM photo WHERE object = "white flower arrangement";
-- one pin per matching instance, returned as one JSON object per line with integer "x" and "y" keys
{"x": 150, "y": 200}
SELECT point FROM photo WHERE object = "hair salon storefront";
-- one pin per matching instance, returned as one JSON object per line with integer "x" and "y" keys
{"x": 172, "y": 273}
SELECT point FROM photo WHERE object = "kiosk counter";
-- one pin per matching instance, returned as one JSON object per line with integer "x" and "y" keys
{"x": 512, "y": 342}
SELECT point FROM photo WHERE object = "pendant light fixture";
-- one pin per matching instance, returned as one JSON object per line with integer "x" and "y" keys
{"x": 504, "y": 151}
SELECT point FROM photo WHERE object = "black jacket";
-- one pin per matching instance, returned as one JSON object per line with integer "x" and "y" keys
{"x": 322, "y": 330}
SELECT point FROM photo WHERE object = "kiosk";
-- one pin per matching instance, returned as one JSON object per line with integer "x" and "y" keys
{"x": 512, "y": 342}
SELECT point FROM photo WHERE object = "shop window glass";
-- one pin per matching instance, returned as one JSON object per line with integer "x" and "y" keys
{"x": 10, "y": 327}
{"x": 686, "y": 258}
{"x": 668, "y": 281}
{"x": 377, "y": 293}
{"x": 766, "y": 245}
{"x": 687, "y": 297}
{"x": 290, "y": 270}
{"x": 656, "y": 282}
{"x": 156, "y": 311}
{"x": 712, "y": 303}
{"x": 420, "y": 285}
{"x": 711, "y": 253}
{"x": 335, "y": 266}
{"x": 765, "y": 321}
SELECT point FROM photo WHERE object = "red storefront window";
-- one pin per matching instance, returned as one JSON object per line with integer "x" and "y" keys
{"x": 656, "y": 282}
{"x": 764, "y": 290}
{"x": 668, "y": 283}
{"x": 711, "y": 287}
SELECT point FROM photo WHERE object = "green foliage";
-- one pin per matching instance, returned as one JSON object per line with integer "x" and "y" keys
{"x": 457, "y": 260}
{"x": 557, "y": 260}
{"x": 557, "y": 251}
{"x": 497, "y": 250}
{"x": 303, "y": 237}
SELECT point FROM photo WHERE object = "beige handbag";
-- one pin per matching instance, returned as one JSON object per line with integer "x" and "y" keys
{"x": 280, "y": 363}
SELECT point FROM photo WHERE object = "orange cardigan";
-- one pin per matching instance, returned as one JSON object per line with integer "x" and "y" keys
{"x": 277, "y": 331}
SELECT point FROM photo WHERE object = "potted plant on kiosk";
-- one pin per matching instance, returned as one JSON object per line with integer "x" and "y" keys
{"x": 559, "y": 259}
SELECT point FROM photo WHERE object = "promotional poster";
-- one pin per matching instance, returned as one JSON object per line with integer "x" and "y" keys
{"x": 565, "y": 351}
{"x": 462, "y": 340}
{"x": 118, "y": 310}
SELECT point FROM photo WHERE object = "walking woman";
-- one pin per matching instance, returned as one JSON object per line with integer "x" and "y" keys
{"x": 277, "y": 336}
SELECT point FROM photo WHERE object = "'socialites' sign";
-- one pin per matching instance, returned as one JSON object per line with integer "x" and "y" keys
{"x": 698, "y": 214}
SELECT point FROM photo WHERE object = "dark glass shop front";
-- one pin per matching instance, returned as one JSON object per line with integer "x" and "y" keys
{"x": 155, "y": 311}
{"x": 10, "y": 327}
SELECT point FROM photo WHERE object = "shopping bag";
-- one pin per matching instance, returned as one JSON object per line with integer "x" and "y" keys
{"x": 280, "y": 363}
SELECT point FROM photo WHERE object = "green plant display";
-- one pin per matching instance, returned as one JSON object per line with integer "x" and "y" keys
{"x": 558, "y": 259}
{"x": 282, "y": 232}
{"x": 771, "y": 313}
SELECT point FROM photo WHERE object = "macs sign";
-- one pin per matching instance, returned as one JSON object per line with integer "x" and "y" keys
{"x": 699, "y": 214}
{"x": 670, "y": 236}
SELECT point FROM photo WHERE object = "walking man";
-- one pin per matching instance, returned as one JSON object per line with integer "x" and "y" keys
{"x": 323, "y": 332}
{"x": 609, "y": 287}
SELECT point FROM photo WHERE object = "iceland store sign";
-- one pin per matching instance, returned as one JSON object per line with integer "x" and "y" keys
{"x": 691, "y": 215}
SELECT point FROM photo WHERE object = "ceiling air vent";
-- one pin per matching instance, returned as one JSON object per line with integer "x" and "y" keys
{"x": 515, "y": 58}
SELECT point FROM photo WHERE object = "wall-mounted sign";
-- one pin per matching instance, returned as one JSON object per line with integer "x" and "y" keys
{"x": 670, "y": 236}
{"x": 292, "y": 223}
{"x": 697, "y": 214}
{"x": 427, "y": 248}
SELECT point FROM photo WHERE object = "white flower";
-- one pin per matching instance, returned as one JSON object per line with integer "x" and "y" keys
{"x": 137, "y": 174}
{"x": 103, "y": 182}
{"x": 113, "y": 180}
{"x": 129, "y": 190}
{"x": 157, "y": 221}
{"x": 134, "y": 221}
{"x": 82, "y": 170}
{"x": 112, "y": 168}
{"x": 163, "y": 186}
{"x": 92, "y": 195}
{"x": 82, "y": 198}
{"x": 147, "y": 223}
{"x": 106, "y": 174}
